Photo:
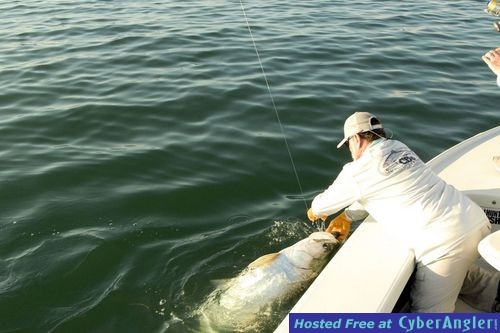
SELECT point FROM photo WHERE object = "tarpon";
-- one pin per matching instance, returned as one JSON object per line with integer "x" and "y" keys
{"x": 241, "y": 303}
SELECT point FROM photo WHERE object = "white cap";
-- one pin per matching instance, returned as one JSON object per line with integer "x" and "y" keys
{"x": 358, "y": 122}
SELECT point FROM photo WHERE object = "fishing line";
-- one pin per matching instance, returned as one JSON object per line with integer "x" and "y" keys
{"x": 274, "y": 104}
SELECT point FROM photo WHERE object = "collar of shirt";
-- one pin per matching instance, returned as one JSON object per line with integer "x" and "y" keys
{"x": 376, "y": 142}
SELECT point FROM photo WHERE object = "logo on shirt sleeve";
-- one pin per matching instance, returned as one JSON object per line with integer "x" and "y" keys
{"x": 399, "y": 160}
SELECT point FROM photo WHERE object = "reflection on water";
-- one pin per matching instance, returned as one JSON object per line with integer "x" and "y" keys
{"x": 141, "y": 156}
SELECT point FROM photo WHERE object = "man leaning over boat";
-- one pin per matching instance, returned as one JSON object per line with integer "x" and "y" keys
{"x": 443, "y": 227}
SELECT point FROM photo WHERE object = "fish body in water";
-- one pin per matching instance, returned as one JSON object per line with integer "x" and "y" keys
{"x": 241, "y": 303}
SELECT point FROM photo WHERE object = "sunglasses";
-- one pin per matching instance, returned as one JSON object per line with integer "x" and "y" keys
{"x": 346, "y": 143}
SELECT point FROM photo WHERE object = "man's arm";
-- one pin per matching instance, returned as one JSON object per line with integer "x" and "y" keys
{"x": 342, "y": 193}
{"x": 492, "y": 59}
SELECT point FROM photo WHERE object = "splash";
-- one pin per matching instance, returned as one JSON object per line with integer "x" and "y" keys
{"x": 285, "y": 231}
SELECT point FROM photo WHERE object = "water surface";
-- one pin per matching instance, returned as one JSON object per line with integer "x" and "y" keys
{"x": 141, "y": 153}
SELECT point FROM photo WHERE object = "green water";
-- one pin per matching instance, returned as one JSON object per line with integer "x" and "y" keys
{"x": 142, "y": 157}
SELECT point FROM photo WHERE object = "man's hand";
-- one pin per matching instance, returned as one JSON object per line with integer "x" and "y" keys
{"x": 342, "y": 225}
{"x": 492, "y": 59}
{"x": 314, "y": 218}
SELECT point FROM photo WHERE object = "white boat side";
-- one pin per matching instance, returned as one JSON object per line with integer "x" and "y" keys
{"x": 370, "y": 271}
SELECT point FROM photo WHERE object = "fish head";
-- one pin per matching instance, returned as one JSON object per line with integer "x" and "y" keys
{"x": 320, "y": 244}
{"x": 313, "y": 251}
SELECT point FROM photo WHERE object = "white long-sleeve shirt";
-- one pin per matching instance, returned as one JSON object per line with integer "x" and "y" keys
{"x": 394, "y": 186}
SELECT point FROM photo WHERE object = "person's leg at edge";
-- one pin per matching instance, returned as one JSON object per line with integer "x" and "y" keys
{"x": 480, "y": 288}
{"x": 438, "y": 284}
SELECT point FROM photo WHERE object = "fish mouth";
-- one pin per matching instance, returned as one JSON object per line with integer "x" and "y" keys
{"x": 329, "y": 246}
{"x": 336, "y": 234}
{"x": 326, "y": 237}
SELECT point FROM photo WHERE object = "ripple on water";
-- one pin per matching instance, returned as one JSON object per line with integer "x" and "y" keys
{"x": 141, "y": 153}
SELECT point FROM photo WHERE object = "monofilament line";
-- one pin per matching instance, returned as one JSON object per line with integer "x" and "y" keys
{"x": 273, "y": 103}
